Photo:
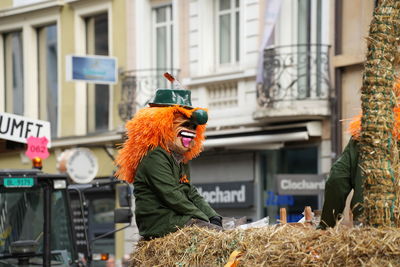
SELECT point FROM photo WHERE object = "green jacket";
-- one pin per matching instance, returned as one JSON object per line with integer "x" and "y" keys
{"x": 164, "y": 200}
{"x": 345, "y": 175}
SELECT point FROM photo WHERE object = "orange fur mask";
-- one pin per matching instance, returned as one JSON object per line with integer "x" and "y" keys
{"x": 152, "y": 127}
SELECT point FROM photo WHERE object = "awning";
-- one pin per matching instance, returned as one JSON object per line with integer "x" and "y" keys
{"x": 265, "y": 141}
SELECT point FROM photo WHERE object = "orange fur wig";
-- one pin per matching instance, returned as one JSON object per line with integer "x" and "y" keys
{"x": 152, "y": 127}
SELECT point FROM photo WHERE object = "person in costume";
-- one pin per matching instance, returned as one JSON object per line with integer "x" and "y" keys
{"x": 345, "y": 174}
{"x": 161, "y": 140}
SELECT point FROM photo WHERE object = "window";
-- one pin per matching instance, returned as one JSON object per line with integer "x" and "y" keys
{"x": 61, "y": 230}
{"x": 163, "y": 42}
{"x": 228, "y": 32}
{"x": 307, "y": 36}
{"x": 288, "y": 160}
{"x": 298, "y": 160}
{"x": 301, "y": 38}
{"x": 98, "y": 95}
{"x": 14, "y": 82}
{"x": 304, "y": 40}
{"x": 101, "y": 220}
{"x": 48, "y": 79}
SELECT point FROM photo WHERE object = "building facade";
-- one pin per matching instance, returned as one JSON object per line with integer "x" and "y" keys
{"x": 350, "y": 27}
{"x": 262, "y": 69}
{"x": 36, "y": 40}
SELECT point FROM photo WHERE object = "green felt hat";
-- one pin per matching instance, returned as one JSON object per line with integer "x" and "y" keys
{"x": 170, "y": 97}
{"x": 179, "y": 97}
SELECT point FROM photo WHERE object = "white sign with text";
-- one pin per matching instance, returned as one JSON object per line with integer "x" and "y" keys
{"x": 18, "y": 128}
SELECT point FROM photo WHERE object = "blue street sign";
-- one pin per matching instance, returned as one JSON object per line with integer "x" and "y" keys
{"x": 93, "y": 69}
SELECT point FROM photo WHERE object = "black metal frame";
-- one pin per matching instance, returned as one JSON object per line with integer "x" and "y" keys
{"x": 81, "y": 190}
{"x": 47, "y": 186}
{"x": 47, "y": 224}
{"x": 295, "y": 72}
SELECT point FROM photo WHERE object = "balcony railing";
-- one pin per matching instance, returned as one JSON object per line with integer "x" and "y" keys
{"x": 293, "y": 73}
{"x": 138, "y": 88}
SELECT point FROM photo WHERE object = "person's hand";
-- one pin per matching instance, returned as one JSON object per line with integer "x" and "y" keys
{"x": 217, "y": 220}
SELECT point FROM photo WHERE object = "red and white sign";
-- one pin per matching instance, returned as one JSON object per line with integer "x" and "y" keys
{"x": 37, "y": 147}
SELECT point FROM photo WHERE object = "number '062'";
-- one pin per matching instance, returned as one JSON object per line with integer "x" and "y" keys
{"x": 37, "y": 149}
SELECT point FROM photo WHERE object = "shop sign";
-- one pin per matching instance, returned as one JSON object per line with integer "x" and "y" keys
{"x": 228, "y": 195}
{"x": 93, "y": 69}
{"x": 18, "y": 128}
{"x": 300, "y": 184}
{"x": 279, "y": 200}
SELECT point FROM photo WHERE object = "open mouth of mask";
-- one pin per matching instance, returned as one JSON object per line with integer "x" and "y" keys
{"x": 187, "y": 137}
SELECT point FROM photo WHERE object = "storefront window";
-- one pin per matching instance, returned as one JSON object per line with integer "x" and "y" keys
{"x": 291, "y": 170}
{"x": 298, "y": 160}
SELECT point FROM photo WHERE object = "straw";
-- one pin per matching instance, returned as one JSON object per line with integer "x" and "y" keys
{"x": 283, "y": 245}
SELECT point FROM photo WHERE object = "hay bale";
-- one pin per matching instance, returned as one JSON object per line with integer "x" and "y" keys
{"x": 273, "y": 246}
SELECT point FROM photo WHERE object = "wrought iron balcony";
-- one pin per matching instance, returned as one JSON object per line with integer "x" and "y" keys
{"x": 138, "y": 88}
{"x": 294, "y": 73}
